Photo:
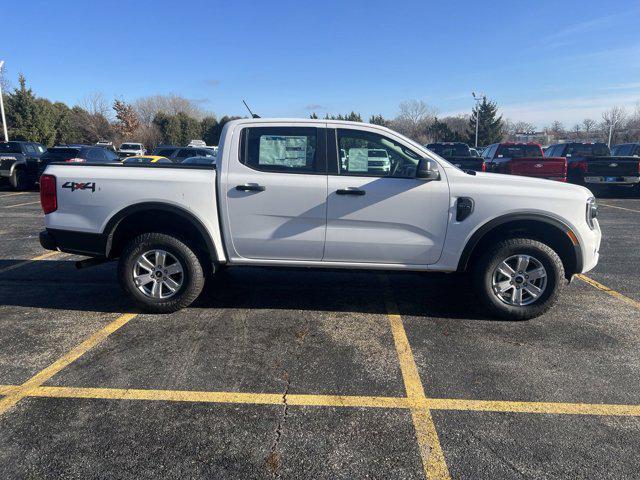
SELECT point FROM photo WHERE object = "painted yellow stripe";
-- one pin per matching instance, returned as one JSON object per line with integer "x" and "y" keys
{"x": 34, "y": 259}
{"x": 220, "y": 397}
{"x": 39, "y": 378}
{"x": 7, "y": 389}
{"x": 533, "y": 407}
{"x": 609, "y": 291}
{"x": 13, "y": 194}
{"x": 21, "y": 204}
{"x": 619, "y": 208}
{"x": 433, "y": 461}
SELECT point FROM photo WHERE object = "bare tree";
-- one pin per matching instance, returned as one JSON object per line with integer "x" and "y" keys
{"x": 556, "y": 130}
{"x": 148, "y": 107}
{"x": 576, "y": 131}
{"x": 413, "y": 120}
{"x": 96, "y": 104}
{"x": 588, "y": 124}
{"x": 612, "y": 122}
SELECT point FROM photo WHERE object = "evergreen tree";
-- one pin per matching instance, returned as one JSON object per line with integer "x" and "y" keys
{"x": 490, "y": 127}
{"x": 313, "y": 116}
{"x": 22, "y": 113}
{"x": 378, "y": 120}
{"x": 209, "y": 127}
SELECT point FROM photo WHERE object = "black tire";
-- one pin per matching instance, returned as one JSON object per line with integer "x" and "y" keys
{"x": 484, "y": 268}
{"x": 19, "y": 180}
{"x": 192, "y": 272}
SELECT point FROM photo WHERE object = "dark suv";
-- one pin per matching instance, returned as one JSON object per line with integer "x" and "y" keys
{"x": 77, "y": 154}
{"x": 178, "y": 154}
{"x": 19, "y": 163}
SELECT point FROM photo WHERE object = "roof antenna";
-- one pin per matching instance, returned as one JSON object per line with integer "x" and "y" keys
{"x": 253, "y": 115}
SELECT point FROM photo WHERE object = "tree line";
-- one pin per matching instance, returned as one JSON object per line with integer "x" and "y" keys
{"x": 175, "y": 120}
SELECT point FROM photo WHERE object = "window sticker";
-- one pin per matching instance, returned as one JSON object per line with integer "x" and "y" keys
{"x": 280, "y": 150}
{"x": 358, "y": 160}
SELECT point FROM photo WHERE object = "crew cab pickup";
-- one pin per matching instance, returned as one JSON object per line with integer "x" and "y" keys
{"x": 524, "y": 159}
{"x": 130, "y": 149}
{"x": 280, "y": 196}
{"x": 591, "y": 164}
{"x": 459, "y": 154}
{"x": 19, "y": 163}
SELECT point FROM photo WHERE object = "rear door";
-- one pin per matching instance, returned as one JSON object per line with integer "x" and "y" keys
{"x": 276, "y": 192}
{"x": 382, "y": 217}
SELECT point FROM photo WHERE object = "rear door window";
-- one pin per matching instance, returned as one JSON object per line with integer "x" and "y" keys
{"x": 167, "y": 152}
{"x": 95, "y": 155}
{"x": 281, "y": 149}
{"x": 185, "y": 153}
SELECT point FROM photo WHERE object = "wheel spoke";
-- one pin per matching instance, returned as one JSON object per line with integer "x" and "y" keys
{"x": 143, "y": 279}
{"x": 171, "y": 284}
{"x": 537, "y": 274}
{"x": 156, "y": 290}
{"x": 503, "y": 286}
{"x": 523, "y": 263}
{"x": 143, "y": 262}
{"x": 173, "y": 269}
{"x": 506, "y": 270}
{"x": 516, "y": 296}
{"x": 533, "y": 290}
{"x": 161, "y": 258}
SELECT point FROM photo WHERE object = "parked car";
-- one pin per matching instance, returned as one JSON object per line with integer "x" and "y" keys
{"x": 106, "y": 144}
{"x": 143, "y": 159}
{"x": 592, "y": 165}
{"x": 459, "y": 154}
{"x": 177, "y": 154}
{"x": 129, "y": 149}
{"x": 626, "y": 150}
{"x": 19, "y": 163}
{"x": 521, "y": 238}
{"x": 524, "y": 159}
{"x": 199, "y": 161}
{"x": 75, "y": 155}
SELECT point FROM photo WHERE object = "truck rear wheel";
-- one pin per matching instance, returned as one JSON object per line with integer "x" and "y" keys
{"x": 19, "y": 179}
{"x": 161, "y": 273}
{"x": 519, "y": 278}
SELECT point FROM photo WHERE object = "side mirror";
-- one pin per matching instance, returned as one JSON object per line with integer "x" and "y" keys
{"x": 428, "y": 170}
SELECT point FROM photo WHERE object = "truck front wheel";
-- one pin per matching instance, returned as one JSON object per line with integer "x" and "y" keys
{"x": 160, "y": 273}
{"x": 519, "y": 278}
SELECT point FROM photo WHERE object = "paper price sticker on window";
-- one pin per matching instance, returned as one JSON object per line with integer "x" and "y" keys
{"x": 288, "y": 151}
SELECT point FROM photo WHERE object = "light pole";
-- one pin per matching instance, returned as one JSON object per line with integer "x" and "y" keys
{"x": 4, "y": 119}
{"x": 478, "y": 99}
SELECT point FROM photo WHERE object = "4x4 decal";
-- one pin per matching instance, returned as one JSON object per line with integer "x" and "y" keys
{"x": 80, "y": 186}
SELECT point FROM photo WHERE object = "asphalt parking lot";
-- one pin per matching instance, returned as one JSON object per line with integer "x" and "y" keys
{"x": 314, "y": 374}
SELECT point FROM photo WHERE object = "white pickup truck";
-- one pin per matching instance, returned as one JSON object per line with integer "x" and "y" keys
{"x": 280, "y": 196}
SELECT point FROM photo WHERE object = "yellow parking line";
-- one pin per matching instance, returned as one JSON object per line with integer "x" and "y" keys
{"x": 533, "y": 407}
{"x": 620, "y": 208}
{"x": 21, "y": 204}
{"x": 34, "y": 259}
{"x": 13, "y": 194}
{"x": 7, "y": 389}
{"x": 39, "y": 378}
{"x": 433, "y": 461}
{"x": 609, "y": 291}
{"x": 220, "y": 397}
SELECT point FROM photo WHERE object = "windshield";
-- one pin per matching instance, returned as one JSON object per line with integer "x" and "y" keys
{"x": 519, "y": 151}
{"x": 10, "y": 147}
{"x": 587, "y": 150}
{"x": 450, "y": 150}
{"x": 130, "y": 146}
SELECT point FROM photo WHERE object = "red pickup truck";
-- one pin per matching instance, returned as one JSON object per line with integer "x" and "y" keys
{"x": 524, "y": 159}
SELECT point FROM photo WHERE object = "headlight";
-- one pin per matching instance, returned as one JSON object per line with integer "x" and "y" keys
{"x": 592, "y": 212}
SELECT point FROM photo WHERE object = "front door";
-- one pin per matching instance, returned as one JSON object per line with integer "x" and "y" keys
{"x": 377, "y": 211}
{"x": 277, "y": 193}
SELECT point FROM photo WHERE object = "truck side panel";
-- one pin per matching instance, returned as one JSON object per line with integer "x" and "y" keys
{"x": 89, "y": 195}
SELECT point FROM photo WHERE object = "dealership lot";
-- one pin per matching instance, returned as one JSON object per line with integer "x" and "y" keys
{"x": 307, "y": 374}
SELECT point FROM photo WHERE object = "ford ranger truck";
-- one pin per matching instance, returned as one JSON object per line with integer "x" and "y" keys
{"x": 524, "y": 159}
{"x": 459, "y": 154}
{"x": 280, "y": 196}
{"x": 592, "y": 165}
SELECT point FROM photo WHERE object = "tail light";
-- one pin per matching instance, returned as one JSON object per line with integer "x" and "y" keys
{"x": 484, "y": 167}
{"x": 76, "y": 160}
{"x": 48, "y": 198}
{"x": 580, "y": 166}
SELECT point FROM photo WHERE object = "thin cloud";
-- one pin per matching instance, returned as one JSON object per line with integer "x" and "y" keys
{"x": 624, "y": 86}
{"x": 212, "y": 82}
{"x": 314, "y": 106}
{"x": 571, "y": 33}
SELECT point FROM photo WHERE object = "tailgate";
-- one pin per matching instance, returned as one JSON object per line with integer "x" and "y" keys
{"x": 539, "y": 167}
{"x": 613, "y": 166}
{"x": 468, "y": 163}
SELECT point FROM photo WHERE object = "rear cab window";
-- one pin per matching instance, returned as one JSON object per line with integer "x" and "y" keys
{"x": 519, "y": 151}
{"x": 282, "y": 149}
{"x": 10, "y": 147}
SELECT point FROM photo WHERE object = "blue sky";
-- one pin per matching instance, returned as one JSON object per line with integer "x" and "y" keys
{"x": 541, "y": 61}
